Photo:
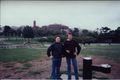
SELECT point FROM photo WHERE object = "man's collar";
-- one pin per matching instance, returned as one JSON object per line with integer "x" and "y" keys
{"x": 69, "y": 40}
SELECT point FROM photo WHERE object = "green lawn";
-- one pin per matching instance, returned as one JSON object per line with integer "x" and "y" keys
{"x": 25, "y": 54}
{"x": 20, "y": 41}
{"x": 21, "y": 55}
{"x": 109, "y": 51}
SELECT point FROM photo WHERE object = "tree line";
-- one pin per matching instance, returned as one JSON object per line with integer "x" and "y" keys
{"x": 47, "y": 33}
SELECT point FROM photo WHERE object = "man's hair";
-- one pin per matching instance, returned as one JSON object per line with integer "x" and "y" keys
{"x": 57, "y": 36}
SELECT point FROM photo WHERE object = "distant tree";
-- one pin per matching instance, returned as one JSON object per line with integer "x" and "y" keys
{"x": 104, "y": 35}
{"x": 94, "y": 34}
{"x": 6, "y": 30}
{"x": 105, "y": 29}
{"x": 76, "y": 32}
{"x": 63, "y": 32}
{"x": 118, "y": 31}
{"x": 41, "y": 32}
{"x": 117, "y": 35}
{"x": 1, "y": 33}
{"x": 12, "y": 32}
{"x": 19, "y": 31}
{"x": 28, "y": 33}
{"x": 70, "y": 30}
{"x": 85, "y": 32}
{"x": 0, "y": 28}
{"x": 37, "y": 31}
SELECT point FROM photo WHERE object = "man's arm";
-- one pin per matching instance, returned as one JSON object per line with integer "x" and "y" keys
{"x": 65, "y": 46}
{"x": 63, "y": 51}
{"x": 78, "y": 48}
{"x": 49, "y": 50}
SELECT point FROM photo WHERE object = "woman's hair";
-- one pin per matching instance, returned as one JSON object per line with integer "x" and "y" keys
{"x": 69, "y": 33}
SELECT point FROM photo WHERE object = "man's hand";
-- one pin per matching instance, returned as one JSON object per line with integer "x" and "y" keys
{"x": 67, "y": 51}
{"x": 51, "y": 57}
{"x": 75, "y": 53}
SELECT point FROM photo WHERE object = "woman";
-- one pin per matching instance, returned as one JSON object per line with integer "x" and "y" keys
{"x": 72, "y": 49}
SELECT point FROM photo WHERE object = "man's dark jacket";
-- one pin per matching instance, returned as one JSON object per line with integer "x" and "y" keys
{"x": 72, "y": 46}
{"x": 56, "y": 50}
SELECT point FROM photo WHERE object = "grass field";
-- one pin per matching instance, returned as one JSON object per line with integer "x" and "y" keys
{"x": 25, "y": 54}
{"x": 20, "y": 54}
{"x": 109, "y": 51}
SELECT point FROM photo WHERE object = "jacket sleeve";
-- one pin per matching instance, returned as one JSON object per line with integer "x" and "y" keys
{"x": 78, "y": 48}
{"x": 49, "y": 50}
{"x": 64, "y": 48}
{"x": 63, "y": 51}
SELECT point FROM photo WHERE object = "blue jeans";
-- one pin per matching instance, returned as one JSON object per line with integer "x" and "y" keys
{"x": 74, "y": 63}
{"x": 56, "y": 63}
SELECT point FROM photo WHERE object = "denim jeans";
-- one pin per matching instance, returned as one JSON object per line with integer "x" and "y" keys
{"x": 74, "y": 63}
{"x": 56, "y": 63}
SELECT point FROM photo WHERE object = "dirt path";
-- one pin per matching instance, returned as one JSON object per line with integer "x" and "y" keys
{"x": 41, "y": 68}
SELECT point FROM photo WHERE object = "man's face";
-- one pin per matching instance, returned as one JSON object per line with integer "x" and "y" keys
{"x": 57, "y": 39}
{"x": 70, "y": 37}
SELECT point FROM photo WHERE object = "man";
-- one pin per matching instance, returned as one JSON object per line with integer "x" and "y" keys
{"x": 72, "y": 49}
{"x": 55, "y": 52}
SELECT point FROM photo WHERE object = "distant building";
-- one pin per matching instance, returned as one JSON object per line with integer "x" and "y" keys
{"x": 34, "y": 23}
{"x": 57, "y": 27}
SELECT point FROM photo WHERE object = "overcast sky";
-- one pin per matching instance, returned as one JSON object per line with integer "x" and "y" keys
{"x": 82, "y": 14}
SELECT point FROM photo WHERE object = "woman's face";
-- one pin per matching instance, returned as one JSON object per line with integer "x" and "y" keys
{"x": 57, "y": 39}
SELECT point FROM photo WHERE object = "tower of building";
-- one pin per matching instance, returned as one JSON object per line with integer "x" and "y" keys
{"x": 34, "y": 23}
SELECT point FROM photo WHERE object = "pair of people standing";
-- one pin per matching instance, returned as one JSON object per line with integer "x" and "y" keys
{"x": 70, "y": 49}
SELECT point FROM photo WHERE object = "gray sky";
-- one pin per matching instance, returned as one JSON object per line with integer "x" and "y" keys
{"x": 82, "y": 14}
